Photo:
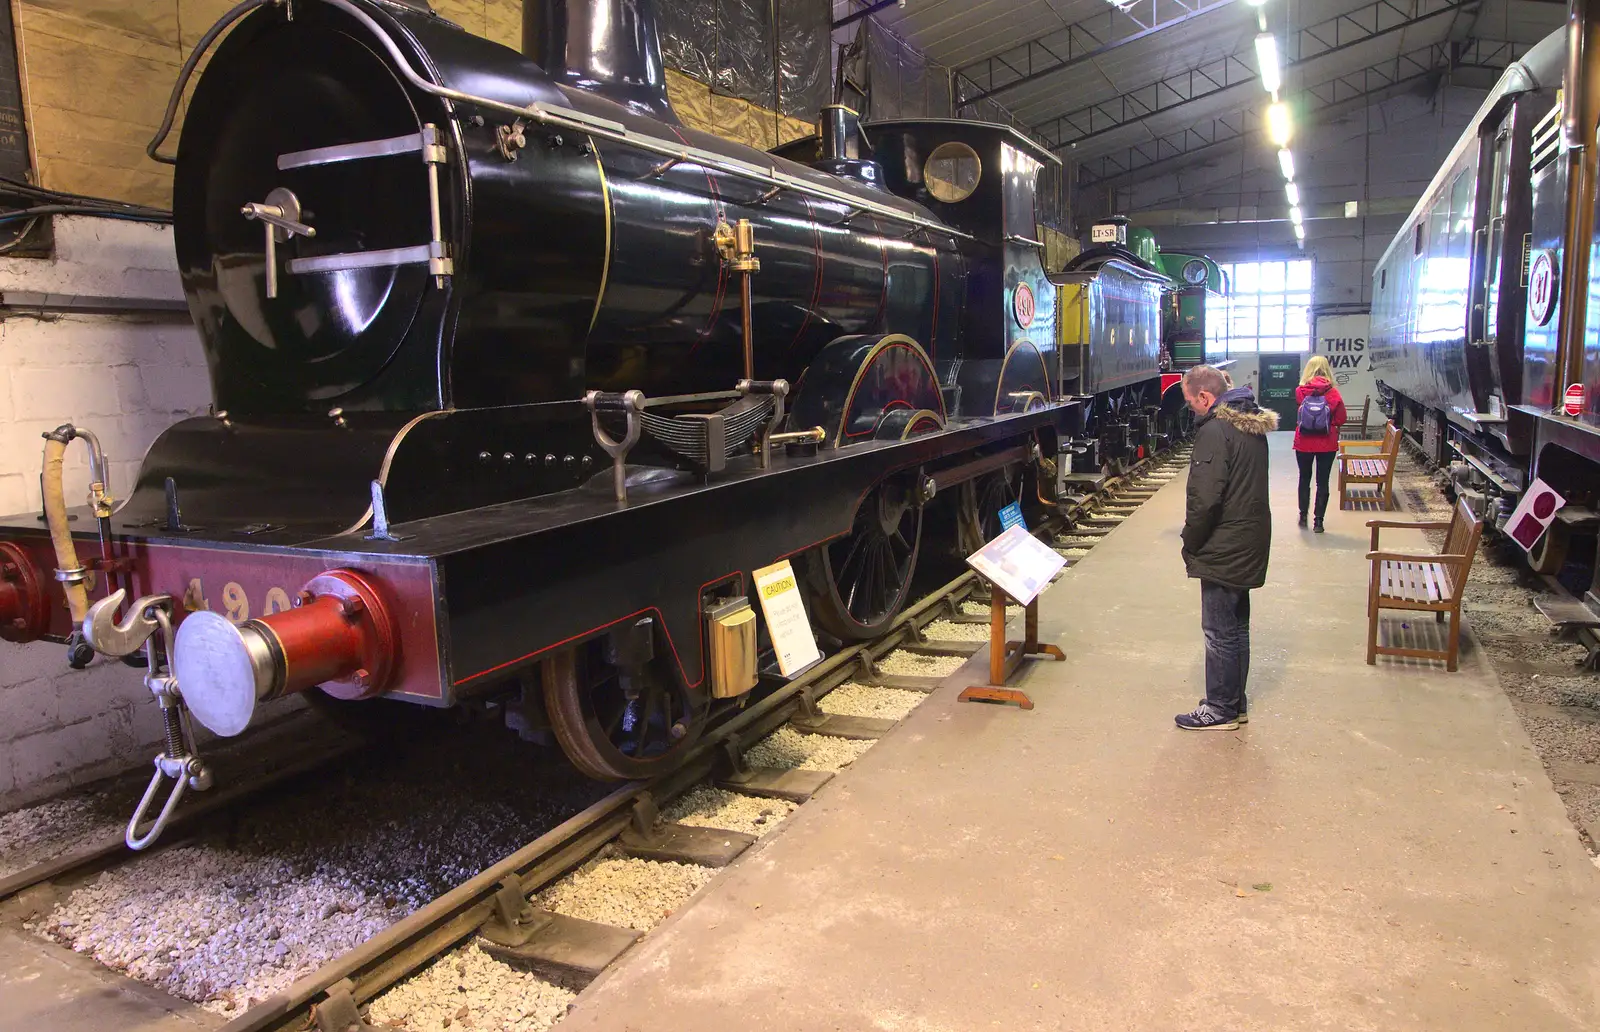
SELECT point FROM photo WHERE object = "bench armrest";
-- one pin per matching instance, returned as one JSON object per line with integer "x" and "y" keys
{"x": 1438, "y": 525}
{"x": 1448, "y": 558}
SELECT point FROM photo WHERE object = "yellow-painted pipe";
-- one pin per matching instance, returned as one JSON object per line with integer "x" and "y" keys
{"x": 55, "y": 514}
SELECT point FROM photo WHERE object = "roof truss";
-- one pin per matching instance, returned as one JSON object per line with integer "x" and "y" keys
{"x": 1431, "y": 60}
{"x": 1100, "y": 33}
{"x": 1306, "y": 46}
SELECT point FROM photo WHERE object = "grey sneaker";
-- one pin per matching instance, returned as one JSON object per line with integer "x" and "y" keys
{"x": 1244, "y": 714}
{"x": 1204, "y": 718}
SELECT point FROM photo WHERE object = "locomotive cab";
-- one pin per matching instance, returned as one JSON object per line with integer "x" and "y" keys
{"x": 982, "y": 179}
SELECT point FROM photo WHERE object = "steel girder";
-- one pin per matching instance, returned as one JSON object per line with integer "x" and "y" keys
{"x": 1431, "y": 60}
{"x": 1094, "y": 36}
{"x": 1214, "y": 77}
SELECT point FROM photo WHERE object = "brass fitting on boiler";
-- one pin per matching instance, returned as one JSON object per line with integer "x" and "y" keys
{"x": 737, "y": 245}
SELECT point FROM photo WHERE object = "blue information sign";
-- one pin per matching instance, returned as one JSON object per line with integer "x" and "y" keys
{"x": 1011, "y": 516}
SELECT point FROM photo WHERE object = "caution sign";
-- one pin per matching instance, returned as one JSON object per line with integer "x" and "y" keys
{"x": 787, "y": 623}
{"x": 1572, "y": 401}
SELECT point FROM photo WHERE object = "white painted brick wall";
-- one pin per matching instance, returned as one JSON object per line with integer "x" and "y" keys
{"x": 126, "y": 377}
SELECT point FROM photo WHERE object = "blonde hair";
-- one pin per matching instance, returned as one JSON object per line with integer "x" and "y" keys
{"x": 1318, "y": 366}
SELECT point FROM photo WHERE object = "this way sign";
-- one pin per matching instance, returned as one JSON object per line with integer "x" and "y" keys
{"x": 1533, "y": 514}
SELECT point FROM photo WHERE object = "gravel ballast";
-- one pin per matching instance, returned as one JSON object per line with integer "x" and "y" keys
{"x": 329, "y": 862}
{"x": 949, "y": 630}
{"x": 624, "y": 891}
{"x": 864, "y": 700}
{"x": 788, "y": 749}
{"x": 707, "y": 807}
{"x": 468, "y": 989}
{"x": 55, "y": 827}
{"x": 916, "y": 664}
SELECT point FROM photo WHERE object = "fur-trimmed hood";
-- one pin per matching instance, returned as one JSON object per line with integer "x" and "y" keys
{"x": 1239, "y": 410}
{"x": 1260, "y": 422}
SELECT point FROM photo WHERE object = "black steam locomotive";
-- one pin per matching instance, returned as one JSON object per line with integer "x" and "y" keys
{"x": 518, "y": 380}
{"x": 1482, "y": 325}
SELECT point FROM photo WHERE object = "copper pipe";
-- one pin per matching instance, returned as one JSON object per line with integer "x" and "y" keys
{"x": 749, "y": 341}
{"x": 1580, "y": 113}
{"x": 745, "y": 261}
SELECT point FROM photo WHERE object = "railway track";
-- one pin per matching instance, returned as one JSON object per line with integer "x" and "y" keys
{"x": 495, "y": 903}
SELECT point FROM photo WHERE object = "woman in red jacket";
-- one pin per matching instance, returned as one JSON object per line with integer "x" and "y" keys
{"x": 1316, "y": 432}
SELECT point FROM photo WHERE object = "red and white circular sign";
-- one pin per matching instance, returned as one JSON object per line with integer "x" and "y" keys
{"x": 1542, "y": 286}
{"x": 1022, "y": 305}
{"x": 1572, "y": 403}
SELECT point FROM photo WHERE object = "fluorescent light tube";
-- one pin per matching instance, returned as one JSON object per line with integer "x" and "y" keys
{"x": 1267, "y": 62}
{"x": 1286, "y": 162}
{"x": 1293, "y": 193}
{"x": 1280, "y": 124}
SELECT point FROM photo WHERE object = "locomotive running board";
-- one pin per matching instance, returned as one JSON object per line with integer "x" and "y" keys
{"x": 521, "y": 577}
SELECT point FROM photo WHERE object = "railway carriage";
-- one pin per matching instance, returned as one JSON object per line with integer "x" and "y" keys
{"x": 1481, "y": 302}
{"x": 518, "y": 380}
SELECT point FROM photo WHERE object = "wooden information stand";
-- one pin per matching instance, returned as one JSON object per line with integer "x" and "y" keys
{"x": 1016, "y": 565}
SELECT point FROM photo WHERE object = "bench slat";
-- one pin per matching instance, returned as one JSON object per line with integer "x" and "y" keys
{"x": 1415, "y": 582}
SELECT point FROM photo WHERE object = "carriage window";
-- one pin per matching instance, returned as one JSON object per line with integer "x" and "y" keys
{"x": 1497, "y": 230}
{"x": 952, "y": 172}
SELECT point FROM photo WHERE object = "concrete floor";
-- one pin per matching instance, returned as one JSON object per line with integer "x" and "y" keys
{"x": 1379, "y": 849}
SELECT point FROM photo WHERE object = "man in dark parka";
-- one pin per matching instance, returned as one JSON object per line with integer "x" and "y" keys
{"x": 1227, "y": 535}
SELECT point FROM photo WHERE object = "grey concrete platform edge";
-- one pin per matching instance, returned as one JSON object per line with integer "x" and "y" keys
{"x": 1378, "y": 849}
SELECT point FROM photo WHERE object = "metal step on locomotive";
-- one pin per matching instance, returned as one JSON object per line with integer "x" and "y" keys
{"x": 517, "y": 379}
{"x": 1482, "y": 324}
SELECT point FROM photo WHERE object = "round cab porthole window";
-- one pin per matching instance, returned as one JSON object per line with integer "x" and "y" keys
{"x": 952, "y": 172}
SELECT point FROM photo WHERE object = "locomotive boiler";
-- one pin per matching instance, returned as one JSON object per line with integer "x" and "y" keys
{"x": 518, "y": 380}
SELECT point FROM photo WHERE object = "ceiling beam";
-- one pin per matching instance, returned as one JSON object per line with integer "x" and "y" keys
{"x": 1278, "y": 211}
{"x": 1432, "y": 60}
{"x": 869, "y": 9}
{"x": 1371, "y": 22}
{"x": 1059, "y": 49}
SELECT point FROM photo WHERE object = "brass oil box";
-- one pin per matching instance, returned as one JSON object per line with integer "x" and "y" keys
{"x": 733, "y": 648}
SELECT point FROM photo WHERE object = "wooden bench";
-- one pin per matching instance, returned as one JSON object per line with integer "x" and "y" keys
{"x": 1430, "y": 583}
{"x": 1354, "y": 430}
{"x": 1372, "y": 467}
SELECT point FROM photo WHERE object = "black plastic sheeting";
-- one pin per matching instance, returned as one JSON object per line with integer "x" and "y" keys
{"x": 775, "y": 53}
{"x": 779, "y": 54}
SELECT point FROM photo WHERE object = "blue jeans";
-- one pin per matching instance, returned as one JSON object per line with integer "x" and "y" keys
{"x": 1225, "y": 619}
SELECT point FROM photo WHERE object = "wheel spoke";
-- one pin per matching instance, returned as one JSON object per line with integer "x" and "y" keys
{"x": 616, "y": 721}
{"x": 861, "y": 594}
{"x": 891, "y": 580}
{"x": 642, "y": 740}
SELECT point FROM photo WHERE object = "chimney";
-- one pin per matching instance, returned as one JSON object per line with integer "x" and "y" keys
{"x": 607, "y": 47}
